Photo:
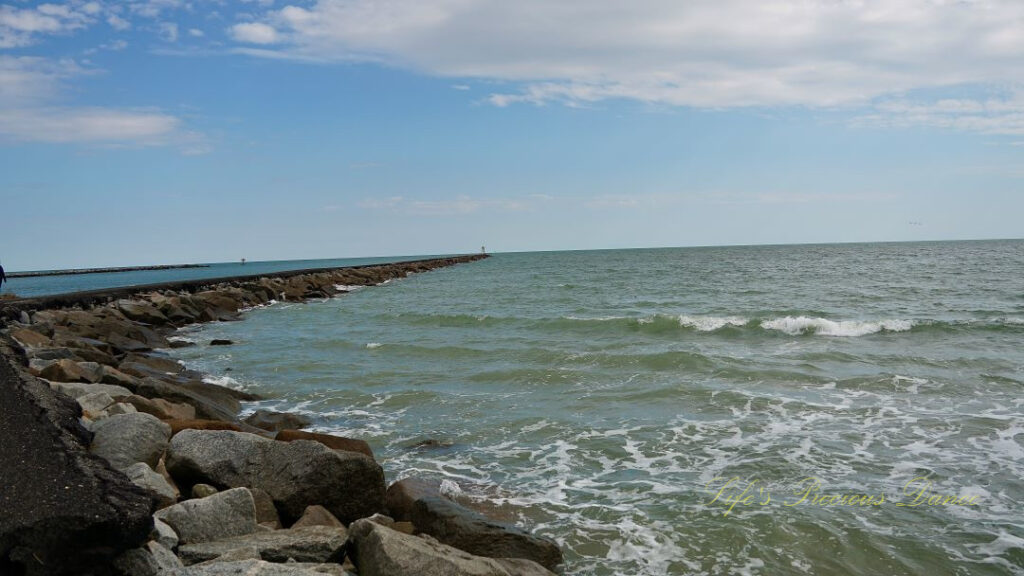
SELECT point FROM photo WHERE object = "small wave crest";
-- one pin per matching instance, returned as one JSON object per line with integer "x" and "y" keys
{"x": 825, "y": 327}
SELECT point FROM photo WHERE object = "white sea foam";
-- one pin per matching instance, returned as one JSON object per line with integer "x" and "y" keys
{"x": 824, "y": 327}
{"x": 373, "y": 345}
{"x": 711, "y": 323}
{"x": 348, "y": 287}
{"x": 225, "y": 381}
{"x": 449, "y": 489}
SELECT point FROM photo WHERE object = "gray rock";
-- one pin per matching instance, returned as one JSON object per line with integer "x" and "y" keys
{"x": 310, "y": 544}
{"x": 153, "y": 559}
{"x": 164, "y": 534}
{"x": 261, "y": 568}
{"x": 295, "y": 474}
{"x": 125, "y": 439}
{"x": 467, "y": 530}
{"x": 115, "y": 409}
{"x": 94, "y": 403}
{"x": 145, "y": 477}
{"x": 78, "y": 389}
{"x": 381, "y": 551}
{"x": 223, "y": 515}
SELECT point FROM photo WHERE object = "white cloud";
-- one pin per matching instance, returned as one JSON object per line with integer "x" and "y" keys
{"x": 254, "y": 33}
{"x": 169, "y": 31}
{"x": 700, "y": 53}
{"x": 118, "y": 23}
{"x": 30, "y": 110}
{"x": 196, "y": 33}
{"x": 20, "y": 26}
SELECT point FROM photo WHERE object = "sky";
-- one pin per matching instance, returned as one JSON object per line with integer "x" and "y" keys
{"x": 173, "y": 131}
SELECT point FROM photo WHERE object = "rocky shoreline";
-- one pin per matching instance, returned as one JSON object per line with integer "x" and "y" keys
{"x": 119, "y": 461}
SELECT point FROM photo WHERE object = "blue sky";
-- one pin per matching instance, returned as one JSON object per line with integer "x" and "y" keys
{"x": 160, "y": 131}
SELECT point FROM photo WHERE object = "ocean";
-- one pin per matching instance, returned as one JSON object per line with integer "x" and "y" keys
{"x": 825, "y": 409}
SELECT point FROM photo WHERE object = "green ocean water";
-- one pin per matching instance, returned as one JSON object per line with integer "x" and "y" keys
{"x": 604, "y": 398}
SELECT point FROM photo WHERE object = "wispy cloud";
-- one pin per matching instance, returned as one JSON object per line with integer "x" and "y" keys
{"x": 991, "y": 115}
{"x": 460, "y": 205}
{"x": 30, "y": 111}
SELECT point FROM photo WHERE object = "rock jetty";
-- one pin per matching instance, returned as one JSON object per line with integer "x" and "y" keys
{"x": 117, "y": 460}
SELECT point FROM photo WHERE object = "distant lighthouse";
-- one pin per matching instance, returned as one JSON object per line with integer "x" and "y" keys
{"x": 483, "y": 250}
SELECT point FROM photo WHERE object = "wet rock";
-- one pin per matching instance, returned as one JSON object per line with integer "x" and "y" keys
{"x": 295, "y": 474}
{"x": 381, "y": 551}
{"x": 333, "y": 442}
{"x": 221, "y": 342}
{"x": 125, "y": 439}
{"x": 430, "y": 444}
{"x": 277, "y": 421}
{"x": 467, "y": 530}
{"x": 401, "y": 496}
{"x": 315, "y": 544}
{"x": 145, "y": 477}
{"x": 222, "y": 515}
{"x": 317, "y": 515}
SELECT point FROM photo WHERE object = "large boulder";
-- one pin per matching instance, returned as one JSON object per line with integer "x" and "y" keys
{"x": 467, "y": 530}
{"x": 331, "y": 441}
{"x": 309, "y": 544}
{"x": 125, "y": 439}
{"x": 380, "y": 551}
{"x": 222, "y": 515}
{"x": 62, "y": 508}
{"x": 206, "y": 407}
{"x": 295, "y": 474}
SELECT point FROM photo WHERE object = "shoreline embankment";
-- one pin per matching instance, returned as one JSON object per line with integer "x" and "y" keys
{"x": 119, "y": 460}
